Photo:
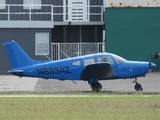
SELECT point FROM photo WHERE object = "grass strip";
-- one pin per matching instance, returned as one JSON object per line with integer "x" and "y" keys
{"x": 80, "y": 108}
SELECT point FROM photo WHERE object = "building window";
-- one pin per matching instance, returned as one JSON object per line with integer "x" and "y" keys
{"x": 42, "y": 43}
{"x": 32, "y": 4}
{"x": 2, "y": 4}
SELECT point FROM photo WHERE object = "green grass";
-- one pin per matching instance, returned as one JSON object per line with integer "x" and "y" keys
{"x": 80, "y": 108}
{"x": 76, "y": 93}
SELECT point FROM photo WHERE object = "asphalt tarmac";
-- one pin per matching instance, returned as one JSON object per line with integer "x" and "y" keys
{"x": 150, "y": 83}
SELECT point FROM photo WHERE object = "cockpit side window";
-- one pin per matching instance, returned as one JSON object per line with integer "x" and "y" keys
{"x": 76, "y": 63}
{"x": 119, "y": 59}
{"x": 89, "y": 61}
{"x": 105, "y": 59}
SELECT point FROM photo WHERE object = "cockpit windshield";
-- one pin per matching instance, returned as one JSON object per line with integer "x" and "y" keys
{"x": 118, "y": 59}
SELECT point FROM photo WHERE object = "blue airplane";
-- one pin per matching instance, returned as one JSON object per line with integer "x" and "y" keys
{"x": 91, "y": 68}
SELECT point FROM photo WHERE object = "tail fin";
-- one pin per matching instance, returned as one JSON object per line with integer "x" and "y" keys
{"x": 18, "y": 58}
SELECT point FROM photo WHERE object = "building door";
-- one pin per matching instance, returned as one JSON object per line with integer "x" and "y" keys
{"x": 76, "y": 10}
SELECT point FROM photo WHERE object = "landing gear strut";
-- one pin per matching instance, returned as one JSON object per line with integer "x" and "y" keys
{"x": 135, "y": 80}
{"x": 96, "y": 87}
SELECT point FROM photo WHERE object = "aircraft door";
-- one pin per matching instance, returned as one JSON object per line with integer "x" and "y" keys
{"x": 109, "y": 59}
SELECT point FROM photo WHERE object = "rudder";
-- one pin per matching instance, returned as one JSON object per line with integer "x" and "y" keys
{"x": 18, "y": 58}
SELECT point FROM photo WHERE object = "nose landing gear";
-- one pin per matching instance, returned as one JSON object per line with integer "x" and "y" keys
{"x": 138, "y": 86}
{"x": 135, "y": 80}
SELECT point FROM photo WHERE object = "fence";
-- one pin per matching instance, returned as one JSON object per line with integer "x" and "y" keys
{"x": 66, "y": 50}
{"x": 46, "y": 12}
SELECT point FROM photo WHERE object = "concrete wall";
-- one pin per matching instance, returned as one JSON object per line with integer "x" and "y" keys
{"x": 25, "y": 38}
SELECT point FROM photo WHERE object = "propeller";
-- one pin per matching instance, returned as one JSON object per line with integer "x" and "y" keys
{"x": 150, "y": 61}
{"x": 151, "y": 65}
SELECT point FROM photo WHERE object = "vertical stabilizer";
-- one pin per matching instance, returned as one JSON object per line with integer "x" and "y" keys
{"x": 18, "y": 58}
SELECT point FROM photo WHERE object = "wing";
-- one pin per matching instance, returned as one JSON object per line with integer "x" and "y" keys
{"x": 100, "y": 70}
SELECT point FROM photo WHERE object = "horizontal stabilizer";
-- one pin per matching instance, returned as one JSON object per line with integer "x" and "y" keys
{"x": 15, "y": 71}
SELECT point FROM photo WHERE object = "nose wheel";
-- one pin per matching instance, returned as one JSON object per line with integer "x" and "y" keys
{"x": 96, "y": 87}
{"x": 138, "y": 87}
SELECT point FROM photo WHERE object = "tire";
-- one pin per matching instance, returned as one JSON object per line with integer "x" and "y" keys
{"x": 96, "y": 87}
{"x": 137, "y": 87}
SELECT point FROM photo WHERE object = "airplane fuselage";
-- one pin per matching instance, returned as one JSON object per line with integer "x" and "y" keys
{"x": 71, "y": 69}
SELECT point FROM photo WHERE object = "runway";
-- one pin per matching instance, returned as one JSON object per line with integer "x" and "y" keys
{"x": 150, "y": 83}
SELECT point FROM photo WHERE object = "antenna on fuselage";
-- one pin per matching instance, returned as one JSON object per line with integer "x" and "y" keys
{"x": 65, "y": 54}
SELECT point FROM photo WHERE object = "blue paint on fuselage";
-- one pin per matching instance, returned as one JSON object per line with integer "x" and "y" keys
{"x": 65, "y": 70}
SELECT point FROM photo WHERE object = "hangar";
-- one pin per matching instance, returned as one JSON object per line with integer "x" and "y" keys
{"x": 133, "y": 29}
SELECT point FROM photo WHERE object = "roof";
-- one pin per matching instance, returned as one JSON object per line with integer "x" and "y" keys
{"x": 132, "y": 3}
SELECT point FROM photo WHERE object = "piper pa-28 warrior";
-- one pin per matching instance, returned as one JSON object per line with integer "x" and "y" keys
{"x": 91, "y": 68}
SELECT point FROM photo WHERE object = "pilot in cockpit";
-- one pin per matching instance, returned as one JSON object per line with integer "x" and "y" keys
{"x": 104, "y": 59}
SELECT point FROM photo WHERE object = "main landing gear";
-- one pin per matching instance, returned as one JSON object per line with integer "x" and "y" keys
{"x": 95, "y": 85}
{"x": 137, "y": 86}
